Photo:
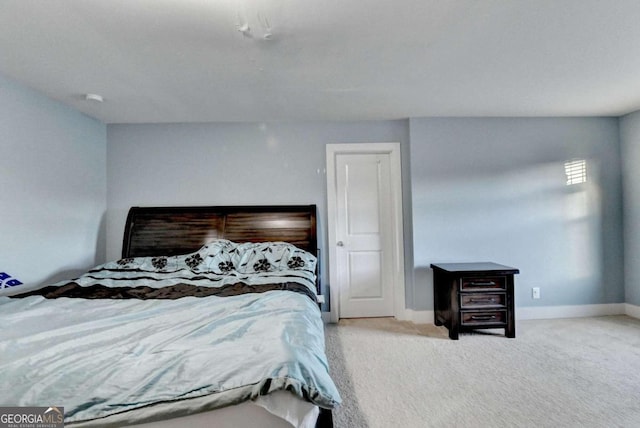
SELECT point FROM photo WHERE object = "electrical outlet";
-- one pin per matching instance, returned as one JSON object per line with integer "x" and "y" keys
{"x": 535, "y": 292}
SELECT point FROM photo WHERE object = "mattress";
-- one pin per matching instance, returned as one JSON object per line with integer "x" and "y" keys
{"x": 278, "y": 410}
{"x": 154, "y": 339}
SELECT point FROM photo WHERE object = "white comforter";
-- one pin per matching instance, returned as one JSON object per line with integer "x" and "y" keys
{"x": 100, "y": 358}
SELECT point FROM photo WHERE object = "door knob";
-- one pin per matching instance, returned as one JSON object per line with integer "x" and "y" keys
{"x": 340, "y": 244}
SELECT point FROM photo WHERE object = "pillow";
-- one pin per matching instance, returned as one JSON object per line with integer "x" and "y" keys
{"x": 217, "y": 256}
{"x": 223, "y": 257}
{"x": 273, "y": 256}
{"x": 301, "y": 260}
{"x": 220, "y": 257}
{"x": 146, "y": 264}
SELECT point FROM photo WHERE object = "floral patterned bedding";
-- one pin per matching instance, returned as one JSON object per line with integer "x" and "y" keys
{"x": 105, "y": 360}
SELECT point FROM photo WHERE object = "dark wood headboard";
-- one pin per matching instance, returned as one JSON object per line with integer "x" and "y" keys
{"x": 156, "y": 231}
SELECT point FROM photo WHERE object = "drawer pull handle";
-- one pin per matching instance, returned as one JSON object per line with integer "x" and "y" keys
{"x": 482, "y": 284}
{"x": 488, "y": 300}
{"x": 483, "y": 317}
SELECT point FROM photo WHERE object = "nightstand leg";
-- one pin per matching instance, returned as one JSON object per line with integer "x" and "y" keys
{"x": 437, "y": 283}
{"x": 453, "y": 334}
{"x": 510, "y": 329}
{"x": 454, "y": 323}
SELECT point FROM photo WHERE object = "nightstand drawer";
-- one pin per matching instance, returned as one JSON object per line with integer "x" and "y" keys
{"x": 483, "y": 318}
{"x": 483, "y": 283}
{"x": 473, "y": 300}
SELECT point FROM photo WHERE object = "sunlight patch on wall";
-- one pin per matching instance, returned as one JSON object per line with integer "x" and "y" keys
{"x": 576, "y": 171}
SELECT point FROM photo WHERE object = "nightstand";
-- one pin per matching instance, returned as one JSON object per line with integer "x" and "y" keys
{"x": 470, "y": 296}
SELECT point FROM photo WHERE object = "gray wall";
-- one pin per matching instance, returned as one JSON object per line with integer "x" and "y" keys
{"x": 494, "y": 189}
{"x": 231, "y": 164}
{"x": 630, "y": 142}
{"x": 474, "y": 189}
{"x": 53, "y": 187}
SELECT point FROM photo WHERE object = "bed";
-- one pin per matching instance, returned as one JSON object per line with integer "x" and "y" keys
{"x": 210, "y": 318}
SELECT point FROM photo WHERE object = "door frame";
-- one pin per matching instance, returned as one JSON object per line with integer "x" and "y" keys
{"x": 393, "y": 149}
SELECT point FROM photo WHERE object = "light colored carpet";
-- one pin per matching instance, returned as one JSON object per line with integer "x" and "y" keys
{"x": 556, "y": 373}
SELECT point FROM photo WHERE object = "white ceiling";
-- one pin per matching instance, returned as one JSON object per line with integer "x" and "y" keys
{"x": 187, "y": 61}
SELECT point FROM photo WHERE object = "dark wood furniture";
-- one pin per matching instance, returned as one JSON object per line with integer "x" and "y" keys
{"x": 471, "y": 296}
{"x": 157, "y": 231}
{"x": 152, "y": 231}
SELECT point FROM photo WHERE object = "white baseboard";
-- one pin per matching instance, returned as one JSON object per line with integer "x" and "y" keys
{"x": 573, "y": 311}
{"x": 535, "y": 312}
{"x": 417, "y": 317}
{"x": 544, "y": 312}
{"x": 632, "y": 310}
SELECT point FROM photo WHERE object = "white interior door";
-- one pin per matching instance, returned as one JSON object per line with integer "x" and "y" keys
{"x": 364, "y": 261}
